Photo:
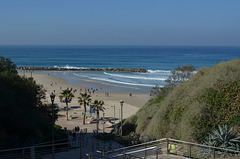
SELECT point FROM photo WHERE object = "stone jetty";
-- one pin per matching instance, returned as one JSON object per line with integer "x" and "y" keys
{"x": 82, "y": 69}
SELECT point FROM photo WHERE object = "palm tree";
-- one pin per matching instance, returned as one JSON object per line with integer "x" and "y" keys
{"x": 97, "y": 105}
{"x": 84, "y": 100}
{"x": 66, "y": 96}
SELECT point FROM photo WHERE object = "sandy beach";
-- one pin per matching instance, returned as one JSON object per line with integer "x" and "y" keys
{"x": 54, "y": 84}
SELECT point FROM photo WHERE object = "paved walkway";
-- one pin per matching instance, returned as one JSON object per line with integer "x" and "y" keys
{"x": 92, "y": 146}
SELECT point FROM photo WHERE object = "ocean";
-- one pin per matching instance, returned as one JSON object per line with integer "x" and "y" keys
{"x": 158, "y": 60}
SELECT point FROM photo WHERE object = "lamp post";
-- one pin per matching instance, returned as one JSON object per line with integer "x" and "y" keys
{"x": 114, "y": 114}
{"x": 31, "y": 72}
{"x": 103, "y": 122}
{"x": 52, "y": 96}
{"x": 121, "y": 103}
{"x": 23, "y": 71}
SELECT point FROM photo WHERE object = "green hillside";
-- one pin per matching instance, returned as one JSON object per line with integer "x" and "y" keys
{"x": 192, "y": 109}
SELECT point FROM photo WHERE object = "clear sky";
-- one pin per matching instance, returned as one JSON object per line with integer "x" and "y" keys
{"x": 120, "y": 22}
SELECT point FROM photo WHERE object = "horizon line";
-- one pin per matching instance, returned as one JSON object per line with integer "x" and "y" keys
{"x": 120, "y": 45}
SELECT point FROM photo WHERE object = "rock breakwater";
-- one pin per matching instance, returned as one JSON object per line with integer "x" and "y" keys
{"x": 83, "y": 69}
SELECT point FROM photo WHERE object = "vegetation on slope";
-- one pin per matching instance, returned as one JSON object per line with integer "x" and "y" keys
{"x": 194, "y": 108}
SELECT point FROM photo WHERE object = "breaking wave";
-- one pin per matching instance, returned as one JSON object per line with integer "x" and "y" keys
{"x": 158, "y": 71}
{"x": 119, "y": 82}
{"x": 70, "y": 67}
{"x": 135, "y": 77}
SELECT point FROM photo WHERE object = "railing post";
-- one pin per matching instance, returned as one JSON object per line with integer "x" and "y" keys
{"x": 92, "y": 144}
{"x": 23, "y": 153}
{"x": 145, "y": 151}
{"x": 214, "y": 153}
{"x": 157, "y": 148}
{"x": 104, "y": 145}
{"x": 86, "y": 143}
{"x": 97, "y": 145}
{"x": 83, "y": 139}
{"x": 103, "y": 153}
{"x": 90, "y": 156}
{"x": 124, "y": 153}
{"x": 81, "y": 153}
{"x": 189, "y": 150}
{"x": 32, "y": 152}
{"x": 110, "y": 145}
{"x": 167, "y": 145}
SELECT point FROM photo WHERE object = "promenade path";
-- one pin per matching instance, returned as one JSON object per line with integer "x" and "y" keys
{"x": 92, "y": 147}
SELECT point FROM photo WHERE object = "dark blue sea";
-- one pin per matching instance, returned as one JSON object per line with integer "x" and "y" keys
{"x": 158, "y": 60}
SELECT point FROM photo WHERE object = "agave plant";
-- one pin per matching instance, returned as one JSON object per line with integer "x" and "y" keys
{"x": 223, "y": 137}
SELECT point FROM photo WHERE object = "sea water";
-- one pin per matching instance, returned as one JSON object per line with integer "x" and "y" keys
{"x": 158, "y": 60}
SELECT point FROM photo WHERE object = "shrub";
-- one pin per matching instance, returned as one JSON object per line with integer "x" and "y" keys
{"x": 222, "y": 107}
{"x": 223, "y": 137}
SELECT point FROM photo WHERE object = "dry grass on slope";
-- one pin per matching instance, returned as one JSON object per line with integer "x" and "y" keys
{"x": 172, "y": 116}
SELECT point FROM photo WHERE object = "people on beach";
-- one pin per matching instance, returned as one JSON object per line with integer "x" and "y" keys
{"x": 77, "y": 129}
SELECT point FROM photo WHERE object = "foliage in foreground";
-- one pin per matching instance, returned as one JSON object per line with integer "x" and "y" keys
{"x": 24, "y": 120}
{"x": 223, "y": 137}
{"x": 193, "y": 108}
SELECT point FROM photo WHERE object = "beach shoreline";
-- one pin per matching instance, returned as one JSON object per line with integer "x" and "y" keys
{"x": 53, "y": 84}
{"x": 98, "y": 80}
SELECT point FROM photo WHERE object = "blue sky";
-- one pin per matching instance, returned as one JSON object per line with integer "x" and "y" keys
{"x": 122, "y": 22}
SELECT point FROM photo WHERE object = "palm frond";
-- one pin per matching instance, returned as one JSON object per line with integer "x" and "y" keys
{"x": 98, "y": 105}
{"x": 66, "y": 95}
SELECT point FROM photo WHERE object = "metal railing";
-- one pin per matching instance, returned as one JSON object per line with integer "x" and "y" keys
{"x": 88, "y": 147}
{"x": 82, "y": 146}
{"x": 166, "y": 146}
{"x": 193, "y": 150}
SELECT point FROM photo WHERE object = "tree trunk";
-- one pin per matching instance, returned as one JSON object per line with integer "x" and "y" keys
{"x": 84, "y": 116}
{"x": 97, "y": 120}
{"x": 67, "y": 109}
